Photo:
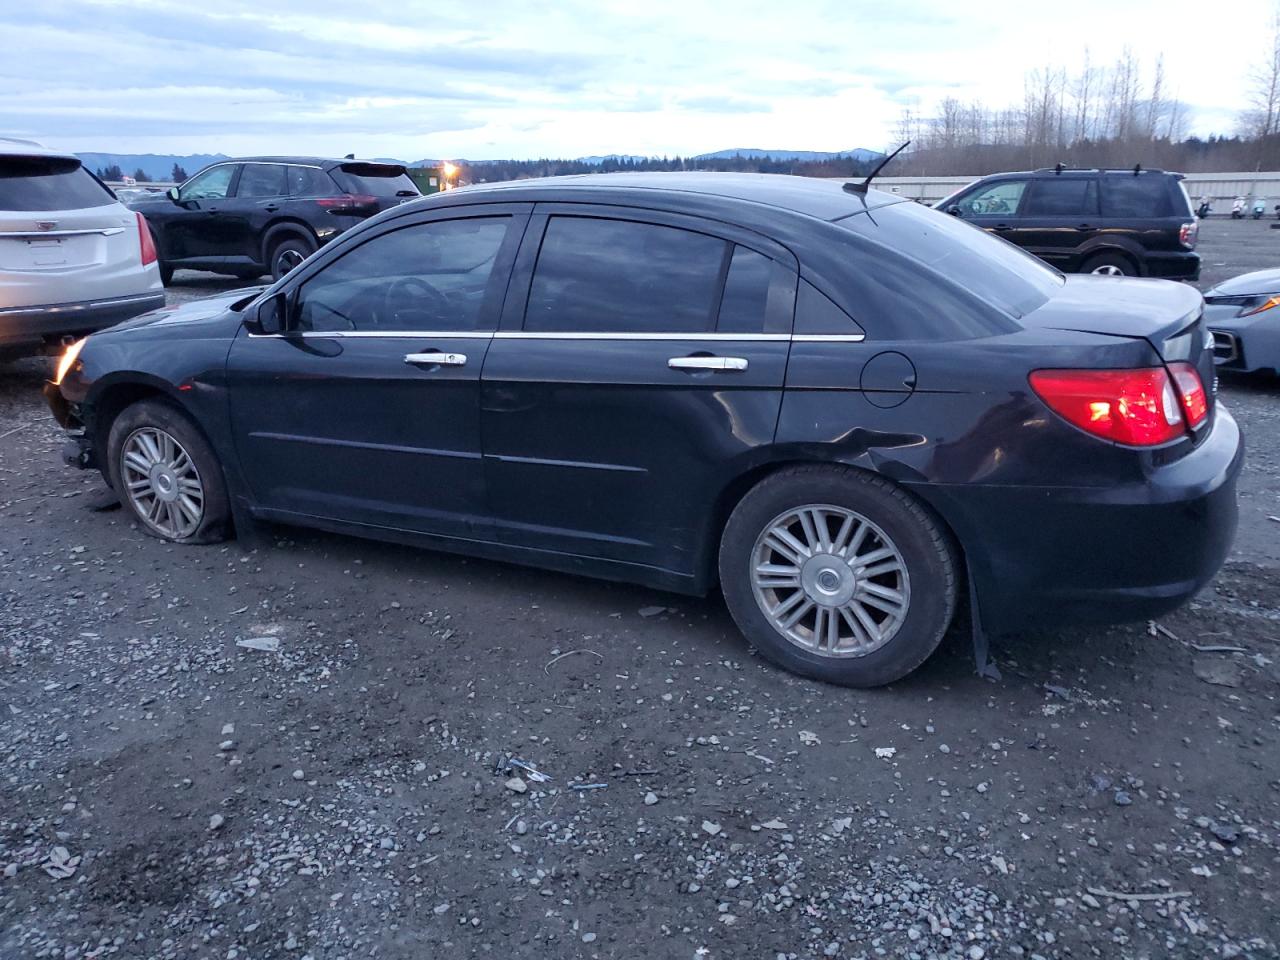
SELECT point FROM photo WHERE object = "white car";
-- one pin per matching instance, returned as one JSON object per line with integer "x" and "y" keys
{"x": 73, "y": 259}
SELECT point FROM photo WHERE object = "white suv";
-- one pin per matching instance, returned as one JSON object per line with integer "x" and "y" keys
{"x": 72, "y": 258}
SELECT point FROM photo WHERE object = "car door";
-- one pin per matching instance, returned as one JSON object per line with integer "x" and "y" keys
{"x": 993, "y": 206}
{"x": 1058, "y": 217}
{"x": 639, "y": 367}
{"x": 191, "y": 228}
{"x": 366, "y": 409}
{"x": 259, "y": 195}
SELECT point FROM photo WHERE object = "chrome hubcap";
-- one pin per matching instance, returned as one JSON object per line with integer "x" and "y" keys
{"x": 1108, "y": 270}
{"x": 830, "y": 581}
{"x": 287, "y": 260}
{"x": 162, "y": 483}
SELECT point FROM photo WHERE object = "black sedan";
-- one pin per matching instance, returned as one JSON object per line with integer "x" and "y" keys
{"x": 846, "y": 411}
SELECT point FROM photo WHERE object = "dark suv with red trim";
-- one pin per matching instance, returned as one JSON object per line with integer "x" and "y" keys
{"x": 1132, "y": 223}
{"x": 256, "y": 215}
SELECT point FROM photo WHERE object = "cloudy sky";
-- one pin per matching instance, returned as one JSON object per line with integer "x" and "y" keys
{"x": 499, "y": 79}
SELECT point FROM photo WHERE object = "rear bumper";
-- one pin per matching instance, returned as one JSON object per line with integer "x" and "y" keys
{"x": 1173, "y": 265}
{"x": 1054, "y": 555}
{"x": 20, "y": 326}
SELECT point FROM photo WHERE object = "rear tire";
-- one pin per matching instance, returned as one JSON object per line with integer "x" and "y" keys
{"x": 1110, "y": 265}
{"x": 288, "y": 254}
{"x": 166, "y": 474}
{"x": 874, "y": 640}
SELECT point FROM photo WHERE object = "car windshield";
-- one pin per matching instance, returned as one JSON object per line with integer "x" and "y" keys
{"x": 49, "y": 183}
{"x": 375, "y": 180}
{"x": 993, "y": 269}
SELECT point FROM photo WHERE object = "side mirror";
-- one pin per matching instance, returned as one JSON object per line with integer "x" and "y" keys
{"x": 272, "y": 315}
{"x": 172, "y": 194}
{"x": 954, "y": 209}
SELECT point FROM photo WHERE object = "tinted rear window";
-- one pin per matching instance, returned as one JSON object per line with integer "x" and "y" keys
{"x": 1136, "y": 197}
{"x": 48, "y": 183}
{"x": 375, "y": 180}
{"x": 1062, "y": 197}
{"x": 992, "y": 269}
{"x": 617, "y": 276}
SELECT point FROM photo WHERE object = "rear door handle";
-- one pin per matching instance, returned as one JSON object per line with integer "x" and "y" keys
{"x": 1084, "y": 226}
{"x": 437, "y": 358}
{"x": 1001, "y": 226}
{"x": 270, "y": 207}
{"x": 707, "y": 363}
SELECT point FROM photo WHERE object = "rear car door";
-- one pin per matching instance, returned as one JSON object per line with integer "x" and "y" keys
{"x": 259, "y": 197}
{"x": 366, "y": 409}
{"x": 192, "y": 228}
{"x": 639, "y": 367}
{"x": 1058, "y": 217}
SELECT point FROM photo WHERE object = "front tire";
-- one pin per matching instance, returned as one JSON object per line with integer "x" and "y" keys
{"x": 837, "y": 574}
{"x": 167, "y": 475}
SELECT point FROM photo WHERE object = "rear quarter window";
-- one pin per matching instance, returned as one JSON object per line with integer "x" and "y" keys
{"x": 1137, "y": 198}
{"x": 49, "y": 183}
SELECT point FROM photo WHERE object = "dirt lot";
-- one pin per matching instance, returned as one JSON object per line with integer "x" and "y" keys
{"x": 167, "y": 793}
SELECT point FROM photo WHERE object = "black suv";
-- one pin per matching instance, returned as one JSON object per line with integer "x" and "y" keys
{"x": 1133, "y": 223}
{"x": 257, "y": 215}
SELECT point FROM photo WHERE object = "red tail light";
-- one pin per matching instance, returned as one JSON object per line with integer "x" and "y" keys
{"x": 1195, "y": 402}
{"x": 1134, "y": 407}
{"x": 350, "y": 203}
{"x": 1187, "y": 234}
{"x": 147, "y": 244}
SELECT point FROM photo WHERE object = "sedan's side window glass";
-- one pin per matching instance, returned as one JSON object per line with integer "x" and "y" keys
{"x": 1063, "y": 197}
{"x": 261, "y": 180}
{"x": 998, "y": 199}
{"x": 309, "y": 182}
{"x": 746, "y": 292}
{"x": 618, "y": 276}
{"x": 429, "y": 276}
{"x": 213, "y": 184}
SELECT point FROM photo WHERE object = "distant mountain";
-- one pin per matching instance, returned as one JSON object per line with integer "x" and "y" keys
{"x": 860, "y": 154}
{"x": 157, "y": 166}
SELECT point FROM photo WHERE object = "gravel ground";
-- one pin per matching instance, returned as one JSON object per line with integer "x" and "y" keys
{"x": 352, "y": 790}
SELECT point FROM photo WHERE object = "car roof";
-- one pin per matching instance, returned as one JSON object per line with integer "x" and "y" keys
{"x": 823, "y": 199}
{"x": 1046, "y": 172}
{"x": 14, "y": 147}
{"x": 326, "y": 162}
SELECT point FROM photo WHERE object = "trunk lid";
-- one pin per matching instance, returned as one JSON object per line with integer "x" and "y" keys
{"x": 1168, "y": 315}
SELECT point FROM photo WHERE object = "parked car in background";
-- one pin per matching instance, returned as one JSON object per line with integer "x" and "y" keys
{"x": 128, "y": 195}
{"x": 1132, "y": 223}
{"x": 839, "y": 406}
{"x": 72, "y": 258}
{"x": 1243, "y": 314}
{"x": 255, "y": 215}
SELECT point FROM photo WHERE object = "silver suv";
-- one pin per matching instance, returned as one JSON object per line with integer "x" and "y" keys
{"x": 72, "y": 258}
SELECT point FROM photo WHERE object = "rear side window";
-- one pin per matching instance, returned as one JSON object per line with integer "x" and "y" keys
{"x": 309, "y": 182}
{"x": 1136, "y": 197}
{"x": 261, "y": 180}
{"x": 618, "y": 276}
{"x": 49, "y": 183}
{"x": 1063, "y": 197}
{"x": 746, "y": 292}
{"x": 374, "y": 180}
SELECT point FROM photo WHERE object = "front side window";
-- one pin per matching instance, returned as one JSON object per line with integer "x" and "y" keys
{"x": 1063, "y": 197}
{"x": 619, "y": 276}
{"x": 994, "y": 200}
{"x": 261, "y": 180}
{"x": 212, "y": 184}
{"x": 429, "y": 276}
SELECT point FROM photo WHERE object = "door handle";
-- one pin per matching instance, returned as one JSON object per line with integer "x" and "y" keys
{"x": 707, "y": 363}
{"x": 1084, "y": 226}
{"x": 270, "y": 207}
{"x": 1000, "y": 226}
{"x": 437, "y": 358}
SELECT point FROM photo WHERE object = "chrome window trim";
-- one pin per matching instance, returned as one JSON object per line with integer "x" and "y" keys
{"x": 521, "y": 335}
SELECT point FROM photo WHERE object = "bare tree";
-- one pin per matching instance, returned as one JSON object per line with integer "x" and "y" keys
{"x": 1262, "y": 117}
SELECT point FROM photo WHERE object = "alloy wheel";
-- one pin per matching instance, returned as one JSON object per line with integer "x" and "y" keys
{"x": 830, "y": 581}
{"x": 162, "y": 483}
{"x": 1108, "y": 270}
{"x": 286, "y": 260}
